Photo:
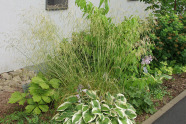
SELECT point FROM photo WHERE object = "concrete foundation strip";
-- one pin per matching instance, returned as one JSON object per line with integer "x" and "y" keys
{"x": 163, "y": 110}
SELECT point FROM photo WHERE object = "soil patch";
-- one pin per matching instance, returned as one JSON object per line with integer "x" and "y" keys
{"x": 174, "y": 86}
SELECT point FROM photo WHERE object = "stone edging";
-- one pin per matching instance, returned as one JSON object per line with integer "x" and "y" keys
{"x": 163, "y": 110}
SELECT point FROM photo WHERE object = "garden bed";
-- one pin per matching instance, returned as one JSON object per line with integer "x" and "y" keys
{"x": 174, "y": 87}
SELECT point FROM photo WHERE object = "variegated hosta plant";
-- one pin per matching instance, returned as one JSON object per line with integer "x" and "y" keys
{"x": 87, "y": 107}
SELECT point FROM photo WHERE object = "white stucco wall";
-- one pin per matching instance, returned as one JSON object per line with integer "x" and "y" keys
{"x": 12, "y": 26}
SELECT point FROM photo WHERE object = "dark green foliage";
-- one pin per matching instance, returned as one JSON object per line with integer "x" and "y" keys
{"x": 169, "y": 38}
{"x": 163, "y": 7}
{"x": 140, "y": 99}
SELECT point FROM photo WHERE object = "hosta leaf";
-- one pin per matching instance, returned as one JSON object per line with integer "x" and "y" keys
{"x": 72, "y": 99}
{"x": 81, "y": 121}
{"x": 113, "y": 113}
{"x": 46, "y": 99}
{"x": 105, "y": 107}
{"x": 131, "y": 114}
{"x": 85, "y": 108}
{"x": 95, "y": 104}
{"x": 44, "y": 108}
{"x": 96, "y": 111}
{"x": 21, "y": 102}
{"x": 37, "y": 80}
{"x": 79, "y": 106}
{"x": 88, "y": 117}
{"x": 15, "y": 97}
{"x": 68, "y": 121}
{"x": 29, "y": 108}
{"x": 101, "y": 116}
{"x": 121, "y": 104}
{"x": 37, "y": 110}
{"x": 121, "y": 97}
{"x": 64, "y": 106}
{"x": 55, "y": 83}
{"x": 114, "y": 121}
{"x": 77, "y": 117}
{"x": 91, "y": 94}
{"x": 106, "y": 121}
{"x": 129, "y": 106}
{"x": 44, "y": 85}
{"x": 120, "y": 112}
{"x": 63, "y": 116}
{"x": 124, "y": 121}
{"x": 36, "y": 98}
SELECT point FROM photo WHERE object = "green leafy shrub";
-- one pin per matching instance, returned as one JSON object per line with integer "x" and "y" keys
{"x": 104, "y": 48}
{"x": 140, "y": 99}
{"x": 169, "y": 38}
{"x": 166, "y": 6}
{"x": 40, "y": 94}
{"x": 87, "y": 107}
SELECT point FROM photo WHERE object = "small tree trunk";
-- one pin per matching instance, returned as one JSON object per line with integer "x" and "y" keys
{"x": 174, "y": 5}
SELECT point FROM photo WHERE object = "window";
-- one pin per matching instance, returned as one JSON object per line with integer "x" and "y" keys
{"x": 56, "y": 4}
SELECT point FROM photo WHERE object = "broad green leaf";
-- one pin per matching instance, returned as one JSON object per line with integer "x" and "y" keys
{"x": 37, "y": 80}
{"x": 42, "y": 102}
{"x": 44, "y": 85}
{"x": 29, "y": 108}
{"x": 129, "y": 106}
{"x": 120, "y": 112}
{"x": 37, "y": 110}
{"x": 131, "y": 114}
{"x": 88, "y": 117}
{"x": 46, "y": 99}
{"x": 21, "y": 102}
{"x": 68, "y": 121}
{"x": 77, "y": 117}
{"x": 81, "y": 121}
{"x": 15, "y": 97}
{"x": 30, "y": 101}
{"x": 106, "y": 121}
{"x": 63, "y": 116}
{"x": 114, "y": 121}
{"x": 95, "y": 104}
{"x": 123, "y": 121}
{"x": 44, "y": 108}
{"x": 121, "y": 97}
{"x": 121, "y": 104}
{"x": 85, "y": 108}
{"x": 64, "y": 106}
{"x": 101, "y": 2}
{"x": 72, "y": 99}
{"x": 91, "y": 94}
{"x": 36, "y": 98}
{"x": 55, "y": 83}
{"x": 96, "y": 111}
{"x": 105, "y": 107}
{"x": 80, "y": 106}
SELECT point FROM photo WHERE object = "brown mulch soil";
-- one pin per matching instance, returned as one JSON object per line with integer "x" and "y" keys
{"x": 5, "y": 107}
{"x": 174, "y": 87}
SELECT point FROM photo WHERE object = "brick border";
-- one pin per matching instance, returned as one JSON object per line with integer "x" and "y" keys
{"x": 163, "y": 110}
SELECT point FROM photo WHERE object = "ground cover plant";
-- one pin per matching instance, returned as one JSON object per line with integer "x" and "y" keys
{"x": 88, "y": 107}
{"x": 40, "y": 94}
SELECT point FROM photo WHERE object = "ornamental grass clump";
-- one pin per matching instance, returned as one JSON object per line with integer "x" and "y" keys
{"x": 87, "y": 107}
